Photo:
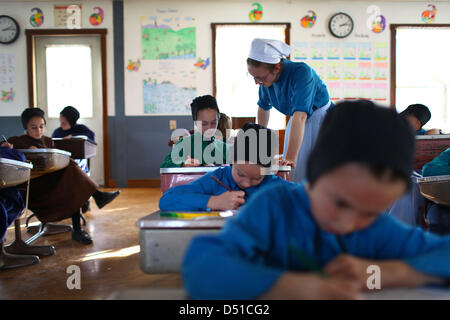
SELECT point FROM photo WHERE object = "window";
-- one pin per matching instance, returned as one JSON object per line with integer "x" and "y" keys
{"x": 69, "y": 72}
{"x": 236, "y": 91}
{"x": 422, "y": 72}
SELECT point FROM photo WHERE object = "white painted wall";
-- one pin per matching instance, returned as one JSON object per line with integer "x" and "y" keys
{"x": 291, "y": 11}
{"x": 21, "y": 12}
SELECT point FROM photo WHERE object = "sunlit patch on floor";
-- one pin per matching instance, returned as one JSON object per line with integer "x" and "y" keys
{"x": 106, "y": 254}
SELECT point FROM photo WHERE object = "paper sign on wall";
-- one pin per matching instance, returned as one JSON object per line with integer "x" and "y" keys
{"x": 68, "y": 16}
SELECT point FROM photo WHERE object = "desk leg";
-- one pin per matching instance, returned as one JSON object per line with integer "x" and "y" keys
{"x": 19, "y": 247}
{"x": 9, "y": 261}
{"x": 46, "y": 229}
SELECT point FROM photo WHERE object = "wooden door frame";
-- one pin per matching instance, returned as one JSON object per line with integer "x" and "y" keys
{"x": 32, "y": 96}
{"x": 393, "y": 52}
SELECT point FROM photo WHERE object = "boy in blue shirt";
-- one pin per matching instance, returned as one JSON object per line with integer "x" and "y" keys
{"x": 247, "y": 175}
{"x": 418, "y": 115}
{"x": 316, "y": 240}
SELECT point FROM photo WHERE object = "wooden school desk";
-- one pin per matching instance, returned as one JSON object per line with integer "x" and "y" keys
{"x": 13, "y": 172}
{"x": 171, "y": 177}
{"x": 19, "y": 253}
{"x": 429, "y": 147}
{"x": 425, "y": 293}
{"x": 436, "y": 189}
{"x": 163, "y": 240}
{"x": 46, "y": 161}
{"x": 80, "y": 147}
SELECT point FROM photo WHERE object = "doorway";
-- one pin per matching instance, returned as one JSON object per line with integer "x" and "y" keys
{"x": 69, "y": 69}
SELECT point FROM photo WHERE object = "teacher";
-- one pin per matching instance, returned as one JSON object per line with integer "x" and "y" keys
{"x": 294, "y": 89}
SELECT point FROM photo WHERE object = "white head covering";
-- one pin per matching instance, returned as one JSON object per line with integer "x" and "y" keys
{"x": 268, "y": 51}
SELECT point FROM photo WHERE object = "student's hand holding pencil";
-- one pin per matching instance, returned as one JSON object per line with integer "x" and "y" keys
{"x": 393, "y": 273}
{"x": 6, "y": 144}
{"x": 229, "y": 200}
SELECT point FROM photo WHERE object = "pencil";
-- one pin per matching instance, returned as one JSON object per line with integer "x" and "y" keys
{"x": 186, "y": 215}
{"x": 4, "y": 139}
{"x": 219, "y": 182}
{"x": 306, "y": 260}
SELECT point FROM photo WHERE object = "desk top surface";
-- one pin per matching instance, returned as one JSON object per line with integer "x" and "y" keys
{"x": 205, "y": 169}
{"x": 385, "y": 294}
{"x": 16, "y": 163}
{"x": 155, "y": 221}
{"x": 47, "y": 150}
{"x": 76, "y": 138}
{"x": 432, "y": 179}
{"x": 432, "y": 136}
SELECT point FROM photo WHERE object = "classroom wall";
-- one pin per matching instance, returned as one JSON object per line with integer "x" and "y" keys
{"x": 207, "y": 12}
{"x": 21, "y": 11}
{"x": 138, "y": 140}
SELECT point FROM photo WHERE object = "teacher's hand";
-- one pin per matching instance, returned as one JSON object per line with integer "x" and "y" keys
{"x": 191, "y": 162}
{"x": 285, "y": 162}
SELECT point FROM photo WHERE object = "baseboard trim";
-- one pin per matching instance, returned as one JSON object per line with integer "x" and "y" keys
{"x": 144, "y": 183}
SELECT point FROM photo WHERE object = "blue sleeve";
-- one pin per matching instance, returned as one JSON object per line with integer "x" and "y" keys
{"x": 193, "y": 196}
{"x": 87, "y": 132}
{"x": 55, "y": 133}
{"x": 232, "y": 264}
{"x": 439, "y": 166}
{"x": 264, "y": 100}
{"x": 423, "y": 251}
{"x": 303, "y": 88}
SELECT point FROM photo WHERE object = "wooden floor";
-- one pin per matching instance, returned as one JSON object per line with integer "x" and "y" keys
{"x": 110, "y": 264}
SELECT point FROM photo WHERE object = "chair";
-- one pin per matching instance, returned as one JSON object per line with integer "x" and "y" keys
{"x": 238, "y": 122}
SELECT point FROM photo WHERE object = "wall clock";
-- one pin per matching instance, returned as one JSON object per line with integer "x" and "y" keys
{"x": 9, "y": 29}
{"x": 340, "y": 25}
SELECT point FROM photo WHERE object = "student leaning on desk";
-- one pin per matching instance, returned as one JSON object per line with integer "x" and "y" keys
{"x": 229, "y": 187}
{"x": 317, "y": 239}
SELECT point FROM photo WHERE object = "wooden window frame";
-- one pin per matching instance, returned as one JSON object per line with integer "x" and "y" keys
{"x": 393, "y": 57}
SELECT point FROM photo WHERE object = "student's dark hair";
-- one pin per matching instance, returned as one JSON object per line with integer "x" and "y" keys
{"x": 203, "y": 102}
{"x": 420, "y": 111}
{"x": 364, "y": 133}
{"x": 248, "y": 150}
{"x": 71, "y": 114}
{"x": 224, "y": 124}
{"x": 30, "y": 113}
{"x": 257, "y": 64}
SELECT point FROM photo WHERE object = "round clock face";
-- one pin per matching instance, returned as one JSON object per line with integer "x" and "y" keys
{"x": 9, "y": 30}
{"x": 341, "y": 25}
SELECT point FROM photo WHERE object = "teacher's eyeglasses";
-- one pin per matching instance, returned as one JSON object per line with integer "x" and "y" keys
{"x": 259, "y": 80}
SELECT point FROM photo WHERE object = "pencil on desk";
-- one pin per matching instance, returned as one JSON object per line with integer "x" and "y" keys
{"x": 220, "y": 182}
{"x": 186, "y": 214}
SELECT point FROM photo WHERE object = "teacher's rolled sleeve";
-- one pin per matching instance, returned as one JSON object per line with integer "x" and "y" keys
{"x": 264, "y": 100}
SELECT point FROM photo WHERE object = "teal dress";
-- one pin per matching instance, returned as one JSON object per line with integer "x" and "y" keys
{"x": 298, "y": 88}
